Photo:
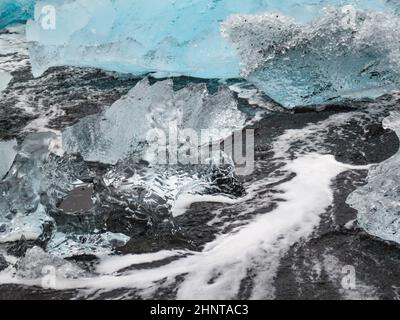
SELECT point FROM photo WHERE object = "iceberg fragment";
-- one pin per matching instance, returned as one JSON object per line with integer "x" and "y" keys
{"x": 343, "y": 54}
{"x": 31, "y": 192}
{"x": 14, "y": 11}
{"x": 138, "y": 36}
{"x": 21, "y": 211}
{"x": 175, "y": 37}
{"x": 294, "y": 52}
{"x": 377, "y": 202}
{"x": 122, "y": 129}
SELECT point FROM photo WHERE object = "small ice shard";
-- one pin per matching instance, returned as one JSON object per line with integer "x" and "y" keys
{"x": 21, "y": 211}
{"x": 36, "y": 264}
{"x": 378, "y": 202}
{"x": 122, "y": 129}
{"x": 15, "y": 11}
{"x": 5, "y": 78}
{"x": 342, "y": 54}
{"x": 8, "y": 151}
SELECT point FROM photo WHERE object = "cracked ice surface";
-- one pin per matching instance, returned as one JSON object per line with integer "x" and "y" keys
{"x": 21, "y": 212}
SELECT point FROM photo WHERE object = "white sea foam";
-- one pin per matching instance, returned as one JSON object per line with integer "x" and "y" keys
{"x": 113, "y": 264}
{"x": 184, "y": 201}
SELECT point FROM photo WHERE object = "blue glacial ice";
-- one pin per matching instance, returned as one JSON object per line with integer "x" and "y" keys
{"x": 15, "y": 11}
{"x": 298, "y": 52}
{"x": 342, "y": 54}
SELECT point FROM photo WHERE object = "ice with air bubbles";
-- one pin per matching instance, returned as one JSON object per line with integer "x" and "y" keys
{"x": 341, "y": 55}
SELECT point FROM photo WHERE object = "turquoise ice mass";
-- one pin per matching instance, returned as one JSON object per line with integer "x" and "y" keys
{"x": 288, "y": 49}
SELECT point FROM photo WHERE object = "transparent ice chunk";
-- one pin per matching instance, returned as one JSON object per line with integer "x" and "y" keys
{"x": 21, "y": 210}
{"x": 171, "y": 37}
{"x": 122, "y": 129}
{"x": 345, "y": 53}
{"x": 378, "y": 202}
